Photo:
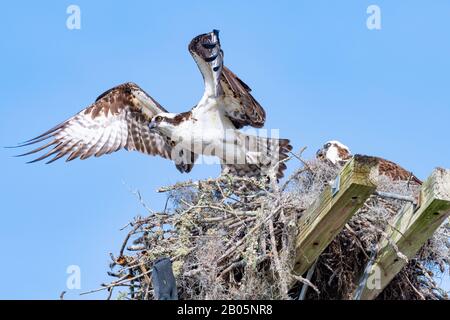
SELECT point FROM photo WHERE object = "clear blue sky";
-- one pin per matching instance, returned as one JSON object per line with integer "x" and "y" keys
{"x": 314, "y": 66}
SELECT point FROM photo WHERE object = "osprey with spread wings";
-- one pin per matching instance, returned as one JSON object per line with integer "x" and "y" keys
{"x": 126, "y": 117}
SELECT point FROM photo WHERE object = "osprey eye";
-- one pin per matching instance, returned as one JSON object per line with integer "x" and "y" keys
{"x": 328, "y": 145}
{"x": 158, "y": 119}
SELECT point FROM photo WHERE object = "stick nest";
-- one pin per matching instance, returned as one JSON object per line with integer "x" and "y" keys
{"x": 234, "y": 238}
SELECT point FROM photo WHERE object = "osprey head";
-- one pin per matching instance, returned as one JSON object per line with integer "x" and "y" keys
{"x": 162, "y": 122}
{"x": 166, "y": 122}
{"x": 206, "y": 45}
{"x": 335, "y": 152}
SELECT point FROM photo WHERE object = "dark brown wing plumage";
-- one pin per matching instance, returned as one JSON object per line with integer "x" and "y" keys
{"x": 396, "y": 172}
{"x": 118, "y": 119}
{"x": 241, "y": 107}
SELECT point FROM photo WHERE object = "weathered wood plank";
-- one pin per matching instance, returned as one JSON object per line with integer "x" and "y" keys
{"x": 409, "y": 231}
{"x": 327, "y": 216}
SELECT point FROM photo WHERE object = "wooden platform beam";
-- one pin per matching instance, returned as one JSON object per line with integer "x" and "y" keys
{"x": 331, "y": 211}
{"x": 409, "y": 231}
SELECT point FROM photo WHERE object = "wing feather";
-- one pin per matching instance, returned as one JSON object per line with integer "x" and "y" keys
{"x": 240, "y": 106}
{"x": 118, "y": 119}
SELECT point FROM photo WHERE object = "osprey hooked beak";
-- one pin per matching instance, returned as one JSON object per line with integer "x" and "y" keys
{"x": 154, "y": 122}
{"x": 152, "y": 125}
{"x": 216, "y": 34}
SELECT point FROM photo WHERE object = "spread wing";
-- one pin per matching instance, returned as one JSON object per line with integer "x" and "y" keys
{"x": 241, "y": 107}
{"x": 220, "y": 82}
{"x": 118, "y": 119}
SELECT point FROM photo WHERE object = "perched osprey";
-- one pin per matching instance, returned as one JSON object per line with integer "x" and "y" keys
{"x": 127, "y": 117}
{"x": 338, "y": 154}
{"x": 335, "y": 152}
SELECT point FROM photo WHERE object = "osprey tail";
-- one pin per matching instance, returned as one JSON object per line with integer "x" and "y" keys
{"x": 263, "y": 157}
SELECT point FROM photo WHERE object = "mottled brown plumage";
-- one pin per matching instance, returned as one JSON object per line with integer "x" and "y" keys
{"x": 118, "y": 119}
{"x": 243, "y": 109}
{"x": 395, "y": 171}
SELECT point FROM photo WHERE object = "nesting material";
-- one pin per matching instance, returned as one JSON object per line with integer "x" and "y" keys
{"x": 234, "y": 238}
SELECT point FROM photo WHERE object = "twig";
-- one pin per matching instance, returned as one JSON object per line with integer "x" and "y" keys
{"x": 250, "y": 232}
{"x": 124, "y": 244}
{"x": 306, "y": 281}
{"x": 298, "y": 157}
{"x": 113, "y": 284}
{"x": 278, "y": 267}
{"x": 305, "y": 286}
{"x": 141, "y": 200}
{"x": 415, "y": 289}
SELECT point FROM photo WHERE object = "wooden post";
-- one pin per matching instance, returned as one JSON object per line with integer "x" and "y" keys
{"x": 411, "y": 229}
{"x": 330, "y": 212}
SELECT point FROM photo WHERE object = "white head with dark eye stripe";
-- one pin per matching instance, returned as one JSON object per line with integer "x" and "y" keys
{"x": 163, "y": 123}
{"x": 166, "y": 123}
{"x": 334, "y": 152}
